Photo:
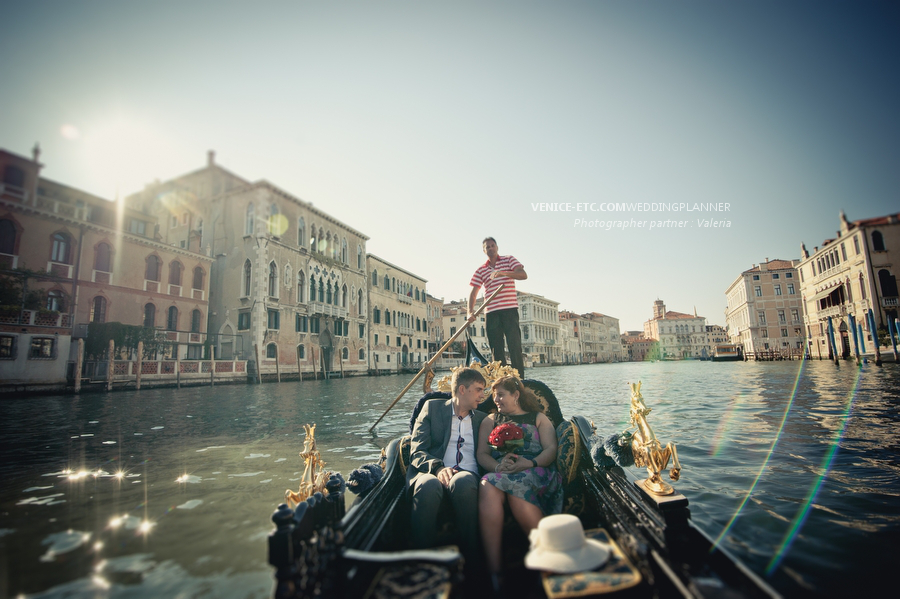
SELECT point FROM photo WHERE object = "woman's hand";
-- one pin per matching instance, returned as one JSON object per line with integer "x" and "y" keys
{"x": 512, "y": 463}
{"x": 507, "y": 464}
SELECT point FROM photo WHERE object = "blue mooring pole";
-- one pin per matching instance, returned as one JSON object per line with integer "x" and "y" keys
{"x": 831, "y": 340}
{"x": 893, "y": 340}
{"x": 855, "y": 337}
{"x": 875, "y": 341}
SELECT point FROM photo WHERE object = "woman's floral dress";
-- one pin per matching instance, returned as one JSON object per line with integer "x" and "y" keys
{"x": 541, "y": 486}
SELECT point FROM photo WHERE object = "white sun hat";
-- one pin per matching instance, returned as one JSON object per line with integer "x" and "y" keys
{"x": 558, "y": 545}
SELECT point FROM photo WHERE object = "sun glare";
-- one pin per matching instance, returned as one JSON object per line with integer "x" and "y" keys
{"x": 122, "y": 154}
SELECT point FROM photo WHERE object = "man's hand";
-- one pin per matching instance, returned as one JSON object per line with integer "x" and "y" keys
{"x": 444, "y": 475}
{"x": 470, "y": 317}
{"x": 499, "y": 273}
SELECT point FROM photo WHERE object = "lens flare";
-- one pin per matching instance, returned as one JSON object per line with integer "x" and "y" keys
{"x": 827, "y": 461}
{"x": 787, "y": 410}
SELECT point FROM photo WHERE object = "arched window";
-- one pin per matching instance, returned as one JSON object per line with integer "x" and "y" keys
{"x": 321, "y": 291}
{"x": 301, "y": 352}
{"x": 7, "y": 237}
{"x": 362, "y": 354}
{"x": 345, "y": 257}
{"x": 345, "y": 354}
{"x": 14, "y": 176}
{"x": 359, "y": 303}
{"x": 394, "y": 284}
{"x": 175, "y": 269}
{"x": 172, "y": 319}
{"x": 387, "y": 283}
{"x": 153, "y": 268}
{"x": 888, "y": 283}
{"x": 273, "y": 225}
{"x": 301, "y": 286}
{"x": 248, "y": 222}
{"x": 198, "y": 278}
{"x": 312, "y": 289}
{"x": 417, "y": 294}
{"x": 387, "y": 317}
{"x": 149, "y": 315}
{"x": 344, "y": 297}
{"x": 328, "y": 293}
{"x": 375, "y": 277}
{"x": 877, "y": 241}
{"x": 359, "y": 260}
{"x": 98, "y": 309}
{"x": 195, "y": 321}
{"x": 313, "y": 247}
{"x": 102, "y": 258}
{"x": 61, "y": 248}
{"x": 56, "y": 300}
{"x": 248, "y": 270}
{"x": 271, "y": 351}
{"x": 273, "y": 279}
{"x": 301, "y": 232}
{"x": 862, "y": 286}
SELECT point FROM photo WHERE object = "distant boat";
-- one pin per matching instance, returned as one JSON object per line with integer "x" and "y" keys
{"x": 728, "y": 352}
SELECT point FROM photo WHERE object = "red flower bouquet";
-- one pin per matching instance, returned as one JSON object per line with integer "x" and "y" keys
{"x": 506, "y": 437}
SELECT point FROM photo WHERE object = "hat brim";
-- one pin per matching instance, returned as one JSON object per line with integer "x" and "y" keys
{"x": 591, "y": 555}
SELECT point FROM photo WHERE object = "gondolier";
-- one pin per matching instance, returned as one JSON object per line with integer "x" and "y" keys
{"x": 503, "y": 314}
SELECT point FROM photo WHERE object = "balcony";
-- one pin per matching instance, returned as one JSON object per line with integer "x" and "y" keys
{"x": 890, "y": 302}
{"x": 327, "y": 310}
{"x": 13, "y": 192}
{"x": 38, "y": 318}
{"x": 833, "y": 312}
{"x": 58, "y": 269}
{"x": 404, "y": 298}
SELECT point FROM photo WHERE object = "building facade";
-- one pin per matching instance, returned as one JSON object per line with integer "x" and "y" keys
{"x": 541, "y": 331}
{"x": 434, "y": 317}
{"x": 680, "y": 336}
{"x": 288, "y": 280}
{"x": 764, "y": 310}
{"x": 398, "y": 330}
{"x": 846, "y": 277}
{"x": 77, "y": 259}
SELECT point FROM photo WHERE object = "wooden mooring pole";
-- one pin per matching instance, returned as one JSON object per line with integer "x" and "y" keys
{"x": 79, "y": 364}
{"x": 139, "y": 365}
{"x": 110, "y": 365}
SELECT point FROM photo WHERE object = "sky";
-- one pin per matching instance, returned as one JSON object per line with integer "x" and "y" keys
{"x": 431, "y": 125}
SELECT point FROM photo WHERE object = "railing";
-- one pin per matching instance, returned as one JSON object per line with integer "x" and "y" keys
{"x": 830, "y": 272}
{"x": 13, "y": 192}
{"x": 834, "y": 311}
{"x": 404, "y": 298}
{"x": 164, "y": 370}
{"x": 36, "y": 318}
{"x": 327, "y": 310}
{"x": 890, "y": 302}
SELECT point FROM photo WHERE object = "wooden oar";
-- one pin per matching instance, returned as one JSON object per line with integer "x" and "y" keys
{"x": 434, "y": 358}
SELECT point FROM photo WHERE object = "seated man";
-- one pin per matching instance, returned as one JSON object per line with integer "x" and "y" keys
{"x": 442, "y": 462}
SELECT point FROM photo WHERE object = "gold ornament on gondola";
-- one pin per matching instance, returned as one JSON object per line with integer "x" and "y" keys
{"x": 314, "y": 474}
{"x": 647, "y": 449}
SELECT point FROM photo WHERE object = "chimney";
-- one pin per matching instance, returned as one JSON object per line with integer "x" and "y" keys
{"x": 211, "y": 158}
{"x": 36, "y": 152}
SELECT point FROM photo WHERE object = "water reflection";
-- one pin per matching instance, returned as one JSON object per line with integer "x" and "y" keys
{"x": 164, "y": 492}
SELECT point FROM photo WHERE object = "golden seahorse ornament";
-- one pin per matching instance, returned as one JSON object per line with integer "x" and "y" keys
{"x": 314, "y": 475}
{"x": 647, "y": 449}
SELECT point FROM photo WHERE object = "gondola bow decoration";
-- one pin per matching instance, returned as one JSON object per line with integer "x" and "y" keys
{"x": 647, "y": 449}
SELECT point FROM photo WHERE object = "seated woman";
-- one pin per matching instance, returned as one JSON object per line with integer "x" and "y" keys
{"x": 527, "y": 480}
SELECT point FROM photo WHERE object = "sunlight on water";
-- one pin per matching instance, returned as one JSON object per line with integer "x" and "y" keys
{"x": 778, "y": 465}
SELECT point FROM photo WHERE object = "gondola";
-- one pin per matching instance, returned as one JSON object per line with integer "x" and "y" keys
{"x": 656, "y": 551}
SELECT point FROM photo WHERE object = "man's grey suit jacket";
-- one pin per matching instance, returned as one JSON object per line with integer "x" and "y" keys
{"x": 431, "y": 435}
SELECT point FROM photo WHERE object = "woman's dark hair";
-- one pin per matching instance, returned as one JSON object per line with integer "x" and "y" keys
{"x": 528, "y": 401}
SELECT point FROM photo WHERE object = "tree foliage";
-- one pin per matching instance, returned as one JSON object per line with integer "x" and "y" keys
{"x": 126, "y": 338}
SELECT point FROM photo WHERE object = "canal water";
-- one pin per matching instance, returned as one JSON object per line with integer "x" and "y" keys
{"x": 793, "y": 467}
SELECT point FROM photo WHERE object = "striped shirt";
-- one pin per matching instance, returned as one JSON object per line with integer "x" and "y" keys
{"x": 482, "y": 278}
